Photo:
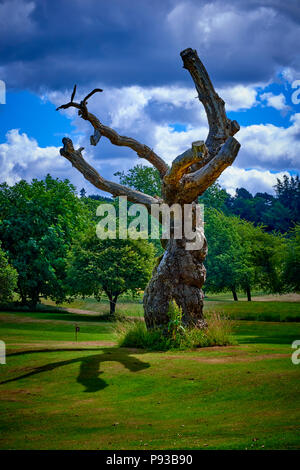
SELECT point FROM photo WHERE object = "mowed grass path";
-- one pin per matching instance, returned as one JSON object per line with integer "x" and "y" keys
{"x": 58, "y": 394}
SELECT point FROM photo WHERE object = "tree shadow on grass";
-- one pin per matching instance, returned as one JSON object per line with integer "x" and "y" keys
{"x": 89, "y": 365}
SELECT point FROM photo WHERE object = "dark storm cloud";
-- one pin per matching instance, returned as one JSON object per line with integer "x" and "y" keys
{"x": 66, "y": 41}
{"x": 54, "y": 43}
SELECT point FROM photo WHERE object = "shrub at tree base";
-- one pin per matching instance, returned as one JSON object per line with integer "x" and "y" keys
{"x": 135, "y": 335}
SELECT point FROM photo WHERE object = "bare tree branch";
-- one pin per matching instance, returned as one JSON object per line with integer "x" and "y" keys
{"x": 194, "y": 171}
{"x": 77, "y": 160}
{"x": 183, "y": 162}
{"x": 197, "y": 182}
{"x": 96, "y": 90}
{"x": 220, "y": 127}
{"x": 142, "y": 150}
{"x": 73, "y": 94}
{"x": 100, "y": 129}
{"x": 68, "y": 105}
{"x": 94, "y": 139}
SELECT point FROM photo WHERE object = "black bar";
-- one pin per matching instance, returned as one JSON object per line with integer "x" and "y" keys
{"x": 141, "y": 459}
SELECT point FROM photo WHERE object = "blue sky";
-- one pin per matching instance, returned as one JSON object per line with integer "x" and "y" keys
{"x": 130, "y": 48}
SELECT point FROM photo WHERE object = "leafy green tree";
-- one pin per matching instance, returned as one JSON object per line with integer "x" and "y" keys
{"x": 215, "y": 197}
{"x": 277, "y": 217}
{"x": 97, "y": 197}
{"x": 291, "y": 270}
{"x": 114, "y": 266}
{"x": 275, "y": 213}
{"x": 147, "y": 180}
{"x": 288, "y": 193}
{"x": 38, "y": 224}
{"x": 82, "y": 193}
{"x": 262, "y": 255}
{"x": 243, "y": 205}
{"x": 91, "y": 205}
{"x": 241, "y": 255}
{"x": 142, "y": 178}
{"x": 8, "y": 278}
{"x": 225, "y": 261}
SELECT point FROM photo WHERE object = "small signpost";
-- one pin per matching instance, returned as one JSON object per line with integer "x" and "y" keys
{"x": 77, "y": 329}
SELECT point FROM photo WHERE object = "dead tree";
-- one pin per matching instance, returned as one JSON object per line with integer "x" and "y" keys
{"x": 180, "y": 274}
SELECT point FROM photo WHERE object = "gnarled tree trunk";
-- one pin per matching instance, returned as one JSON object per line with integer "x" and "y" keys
{"x": 179, "y": 276}
{"x": 180, "y": 273}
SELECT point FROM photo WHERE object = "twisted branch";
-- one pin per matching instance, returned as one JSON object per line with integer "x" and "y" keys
{"x": 220, "y": 127}
{"x": 191, "y": 172}
{"x": 196, "y": 169}
{"x": 77, "y": 160}
{"x": 100, "y": 129}
{"x": 197, "y": 182}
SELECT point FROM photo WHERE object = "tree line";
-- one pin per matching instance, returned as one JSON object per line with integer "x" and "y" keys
{"x": 278, "y": 212}
{"x": 49, "y": 248}
{"x": 253, "y": 240}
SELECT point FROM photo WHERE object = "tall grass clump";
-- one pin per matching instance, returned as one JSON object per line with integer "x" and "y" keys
{"x": 217, "y": 333}
{"x": 135, "y": 335}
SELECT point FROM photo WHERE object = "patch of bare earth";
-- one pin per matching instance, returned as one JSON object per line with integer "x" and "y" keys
{"x": 278, "y": 298}
{"x": 64, "y": 344}
{"x": 94, "y": 313}
{"x": 231, "y": 359}
{"x": 19, "y": 394}
{"x": 81, "y": 312}
{"x": 15, "y": 318}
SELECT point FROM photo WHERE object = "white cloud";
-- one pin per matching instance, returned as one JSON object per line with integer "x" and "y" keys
{"x": 22, "y": 158}
{"x": 289, "y": 74}
{"x": 253, "y": 180}
{"x": 275, "y": 101}
{"x": 147, "y": 113}
{"x": 127, "y": 105}
{"x": 238, "y": 97}
{"x": 169, "y": 144}
{"x": 269, "y": 146}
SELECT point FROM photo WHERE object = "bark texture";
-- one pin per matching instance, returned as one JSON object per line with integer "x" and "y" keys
{"x": 180, "y": 273}
{"x": 179, "y": 276}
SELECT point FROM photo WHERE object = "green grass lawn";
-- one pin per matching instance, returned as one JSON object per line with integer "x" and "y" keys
{"x": 222, "y": 303}
{"x": 254, "y": 310}
{"x": 59, "y": 394}
{"x": 125, "y": 306}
